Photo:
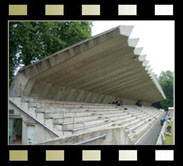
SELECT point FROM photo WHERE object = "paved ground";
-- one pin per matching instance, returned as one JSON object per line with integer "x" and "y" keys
{"x": 151, "y": 137}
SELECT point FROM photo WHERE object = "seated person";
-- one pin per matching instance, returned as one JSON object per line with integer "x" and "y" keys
{"x": 139, "y": 103}
{"x": 115, "y": 102}
{"x": 120, "y": 102}
{"x": 168, "y": 129}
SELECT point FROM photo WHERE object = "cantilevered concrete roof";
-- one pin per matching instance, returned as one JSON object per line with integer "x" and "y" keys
{"x": 108, "y": 64}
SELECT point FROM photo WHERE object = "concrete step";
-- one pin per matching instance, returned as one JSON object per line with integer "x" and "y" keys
{"x": 16, "y": 100}
{"x": 68, "y": 114}
{"x": 130, "y": 123}
{"x": 75, "y": 119}
{"x": 140, "y": 129}
{"x": 150, "y": 120}
{"x": 124, "y": 121}
{"x": 24, "y": 106}
{"x": 40, "y": 117}
{"x": 97, "y": 121}
{"x": 92, "y": 128}
{"x": 46, "y": 101}
{"x": 70, "y": 106}
{"x": 99, "y": 126}
{"x": 113, "y": 117}
{"x": 49, "y": 123}
{"x": 135, "y": 126}
{"x": 58, "y": 130}
{"x": 58, "y": 127}
{"x": 27, "y": 99}
{"x": 54, "y": 110}
{"x": 142, "y": 115}
{"x": 136, "y": 113}
{"x": 78, "y": 114}
{"x": 32, "y": 112}
{"x": 137, "y": 135}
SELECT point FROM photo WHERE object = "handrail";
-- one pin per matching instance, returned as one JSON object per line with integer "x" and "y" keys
{"x": 91, "y": 139}
{"x": 33, "y": 117}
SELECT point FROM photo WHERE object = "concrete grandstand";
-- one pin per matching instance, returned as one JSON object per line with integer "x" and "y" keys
{"x": 66, "y": 98}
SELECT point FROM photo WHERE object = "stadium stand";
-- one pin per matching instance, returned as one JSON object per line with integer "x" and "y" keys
{"x": 71, "y": 118}
{"x": 66, "y": 98}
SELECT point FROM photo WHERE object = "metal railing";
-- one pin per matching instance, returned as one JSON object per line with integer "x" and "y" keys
{"x": 91, "y": 139}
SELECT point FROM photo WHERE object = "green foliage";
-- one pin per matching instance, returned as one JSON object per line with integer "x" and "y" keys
{"x": 32, "y": 41}
{"x": 166, "y": 81}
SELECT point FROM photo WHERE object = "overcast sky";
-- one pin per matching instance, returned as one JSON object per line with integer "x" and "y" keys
{"x": 157, "y": 38}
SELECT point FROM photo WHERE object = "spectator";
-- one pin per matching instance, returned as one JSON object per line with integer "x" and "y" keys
{"x": 164, "y": 118}
{"x": 162, "y": 121}
{"x": 115, "y": 101}
{"x": 120, "y": 102}
{"x": 168, "y": 129}
{"x": 168, "y": 121}
{"x": 139, "y": 103}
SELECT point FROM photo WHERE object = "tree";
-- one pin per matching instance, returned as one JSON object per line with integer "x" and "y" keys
{"x": 32, "y": 41}
{"x": 166, "y": 81}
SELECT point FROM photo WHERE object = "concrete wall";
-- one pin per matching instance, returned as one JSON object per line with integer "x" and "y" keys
{"x": 161, "y": 138}
{"x": 114, "y": 136}
{"x": 41, "y": 133}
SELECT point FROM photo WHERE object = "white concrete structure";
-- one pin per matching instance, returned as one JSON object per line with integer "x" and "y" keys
{"x": 60, "y": 121}
{"x": 66, "y": 96}
{"x": 29, "y": 120}
{"x": 96, "y": 70}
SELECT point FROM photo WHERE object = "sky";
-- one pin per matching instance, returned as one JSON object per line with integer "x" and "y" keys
{"x": 156, "y": 37}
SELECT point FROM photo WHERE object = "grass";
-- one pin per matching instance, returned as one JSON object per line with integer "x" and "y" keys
{"x": 169, "y": 138}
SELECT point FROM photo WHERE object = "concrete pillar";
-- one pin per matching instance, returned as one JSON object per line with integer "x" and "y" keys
{"x": 80, "y": 96}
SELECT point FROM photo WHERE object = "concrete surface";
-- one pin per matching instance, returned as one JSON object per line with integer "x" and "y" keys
{"x": 150, "y": 138}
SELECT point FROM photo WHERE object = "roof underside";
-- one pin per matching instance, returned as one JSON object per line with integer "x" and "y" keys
{"x": 107, "y": 64}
